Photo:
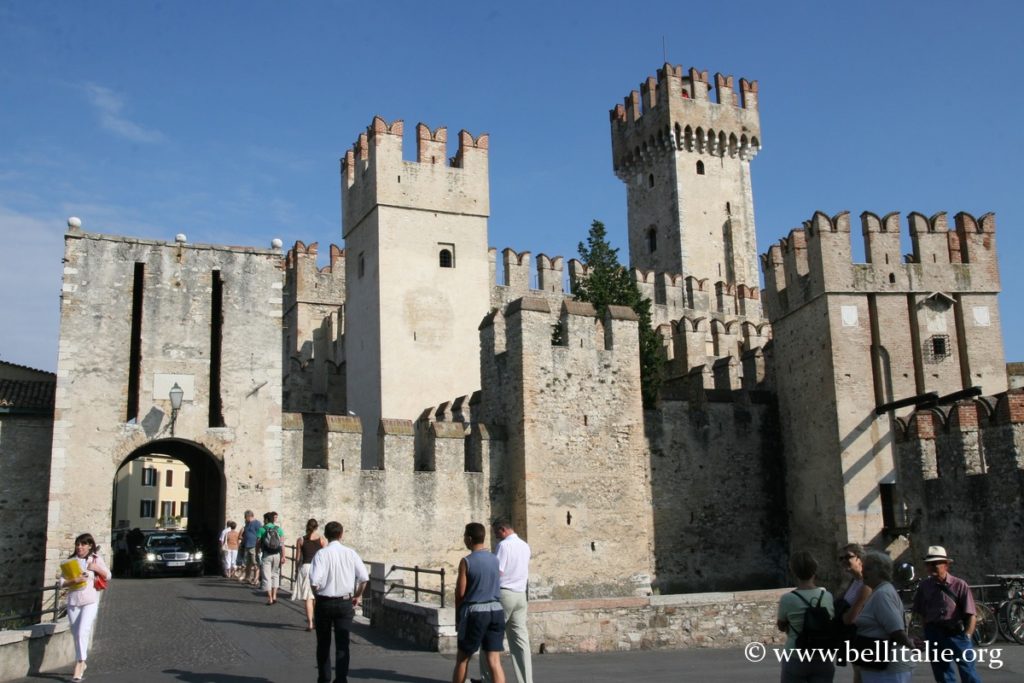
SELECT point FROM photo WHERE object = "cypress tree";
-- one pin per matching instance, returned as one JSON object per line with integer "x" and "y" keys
{"x": 609, "y": 283}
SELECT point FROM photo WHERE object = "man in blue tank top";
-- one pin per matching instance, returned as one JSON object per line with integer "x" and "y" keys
{"x": 479, "y": 617}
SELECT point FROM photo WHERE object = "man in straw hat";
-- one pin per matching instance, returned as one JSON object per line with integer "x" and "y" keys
{"x": 946, "y": 607}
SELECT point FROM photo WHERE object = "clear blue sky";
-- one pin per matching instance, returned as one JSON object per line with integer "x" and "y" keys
{"x": 226, "y": 120}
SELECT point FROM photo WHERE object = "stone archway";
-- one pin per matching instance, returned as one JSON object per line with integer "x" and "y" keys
{"x": 205, "y": 492}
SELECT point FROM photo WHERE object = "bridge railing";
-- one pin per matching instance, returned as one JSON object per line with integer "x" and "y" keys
{"x": 416, "y": 588}
{"x": 17, "y": 619}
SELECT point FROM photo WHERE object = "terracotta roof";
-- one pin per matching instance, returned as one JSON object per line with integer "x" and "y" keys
{"x": 25, "y": 396}
{"x": 24, "y": 367}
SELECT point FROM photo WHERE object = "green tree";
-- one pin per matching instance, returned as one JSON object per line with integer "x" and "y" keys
{"x": 609, "y": 283}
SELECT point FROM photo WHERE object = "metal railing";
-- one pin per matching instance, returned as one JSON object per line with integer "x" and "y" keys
{"x": 393, "y": 584}
{"x": 58, "y": 608}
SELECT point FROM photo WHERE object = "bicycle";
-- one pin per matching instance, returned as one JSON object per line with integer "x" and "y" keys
{"x": 1009, "y": 610}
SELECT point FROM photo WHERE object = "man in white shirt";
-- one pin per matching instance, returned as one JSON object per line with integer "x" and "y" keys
{"x": 338, "y": 577}
{"x": 514, "y": 563}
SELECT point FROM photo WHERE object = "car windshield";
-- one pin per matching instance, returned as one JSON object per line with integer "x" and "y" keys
{"x": 169, "y": 541}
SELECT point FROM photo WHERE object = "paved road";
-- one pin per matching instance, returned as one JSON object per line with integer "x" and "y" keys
{"x": 210, "y": 630}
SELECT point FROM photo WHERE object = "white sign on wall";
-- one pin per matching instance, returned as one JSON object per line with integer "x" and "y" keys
{"x": 981, "y": 316}
{"x": 849, "y": 314}
{"x": 162, "y": 386}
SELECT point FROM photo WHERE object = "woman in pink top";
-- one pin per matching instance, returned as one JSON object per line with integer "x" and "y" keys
{"x": 83, "y": 601}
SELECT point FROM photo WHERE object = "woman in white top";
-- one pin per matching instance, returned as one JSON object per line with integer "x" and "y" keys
{"x": 83, "y": 599}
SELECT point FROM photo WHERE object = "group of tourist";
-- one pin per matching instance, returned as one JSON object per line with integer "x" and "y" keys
{"x": 868, "y": 620}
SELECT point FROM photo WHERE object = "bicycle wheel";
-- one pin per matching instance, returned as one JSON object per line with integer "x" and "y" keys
{"x": 985, "y": 628}
{"x": 1011, "y": 616}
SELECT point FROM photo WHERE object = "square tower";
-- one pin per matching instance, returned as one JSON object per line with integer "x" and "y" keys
{"x": 686, "y": 164}
{"x": 416, "y": 274}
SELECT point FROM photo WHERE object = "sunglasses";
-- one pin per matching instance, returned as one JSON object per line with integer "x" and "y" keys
{"x": 845, "y": 558}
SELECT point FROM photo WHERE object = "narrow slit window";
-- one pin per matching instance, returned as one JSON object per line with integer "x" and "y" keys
{"x": 216, "y": 417}
{"x": 652, "y": 239}
{"x": 700, "y": 168}
{"x": 650, "y": 180}
{"x": 135, "y": 346}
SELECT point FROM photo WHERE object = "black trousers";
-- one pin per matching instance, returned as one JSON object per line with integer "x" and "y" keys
{"x": 332, "y": 615}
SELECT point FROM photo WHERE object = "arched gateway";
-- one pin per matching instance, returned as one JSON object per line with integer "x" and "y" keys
{"x": 198, "y": 497}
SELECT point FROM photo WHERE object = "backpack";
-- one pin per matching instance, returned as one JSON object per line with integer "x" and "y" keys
{"x": 271, "y": 539}
{"x": 818, "y": 632}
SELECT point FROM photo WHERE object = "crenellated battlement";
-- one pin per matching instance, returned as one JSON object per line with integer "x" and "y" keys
{"x": 373, "y": 172}
{"x": 675, "y": 112}
{"x": 816, "y": 258}
{"x": 307, "y": 282}
{"x": 516, "y": 277}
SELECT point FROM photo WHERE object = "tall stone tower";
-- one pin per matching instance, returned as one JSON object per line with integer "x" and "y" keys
{"x": 850, "y": 337}
{"x": 686, "y": 164}
{"x": 417, "y": 272}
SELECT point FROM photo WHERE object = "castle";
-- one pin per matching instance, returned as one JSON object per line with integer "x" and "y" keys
{"x": 412, "y": 385}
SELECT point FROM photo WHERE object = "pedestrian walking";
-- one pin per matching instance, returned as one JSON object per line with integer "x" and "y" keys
{"x": 338, "y": 577}
{"x": 479, "y": 616}
{"x": 513, "y": 555}
{"x": 271, "y": 546}
{"x": 250, "y": 535}
{"x": 854, "y": 595}
{"x": 229, "y": 539}
{"x": 307, "y": 546}
{"x": 947, "y": 610}
{"x": 83, "y": 598}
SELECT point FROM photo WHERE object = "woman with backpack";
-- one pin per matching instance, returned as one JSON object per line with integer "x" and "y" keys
{"x": 805, "y": 616}
{"x": 83, "y": 598}
{"x": 270, "y": 543}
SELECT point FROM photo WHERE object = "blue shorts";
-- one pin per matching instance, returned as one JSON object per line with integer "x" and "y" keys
{"x": 482, "y": 630}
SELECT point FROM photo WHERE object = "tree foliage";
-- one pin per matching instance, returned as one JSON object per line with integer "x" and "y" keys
{"x": 608, "y": 283}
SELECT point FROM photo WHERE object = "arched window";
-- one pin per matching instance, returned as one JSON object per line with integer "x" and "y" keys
{"x": 445, "y": 259}
{"x": 652, "y": 239}
{"x": 700, "y": 168}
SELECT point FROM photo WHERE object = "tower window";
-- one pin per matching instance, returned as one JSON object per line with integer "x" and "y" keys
{"x": 446, "y": 256}
{"x": 939, "y": 346}
{"x": 700, "y": 168}
{"x": 650, "y": 180}
{"x": 362, "y": 265}
{"x": 728, "y": 208}
{"x": 652, "y": 239}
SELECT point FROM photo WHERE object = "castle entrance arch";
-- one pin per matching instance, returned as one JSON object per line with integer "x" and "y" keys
{"x": 184, "y": 487}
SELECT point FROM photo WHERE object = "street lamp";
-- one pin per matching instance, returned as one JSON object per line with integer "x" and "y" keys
{"x": 175, "y": 395}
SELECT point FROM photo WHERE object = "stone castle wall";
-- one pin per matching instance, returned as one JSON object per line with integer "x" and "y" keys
{"x": 961, "y": 483}
{"x": 717, "y": 465}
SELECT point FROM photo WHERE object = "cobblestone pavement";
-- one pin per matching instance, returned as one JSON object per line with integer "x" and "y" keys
{"x": 210, "y": 630}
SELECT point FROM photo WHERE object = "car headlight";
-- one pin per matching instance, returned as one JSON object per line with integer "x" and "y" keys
{"x": 150, "y": 557}
{"x": 198, "y": 556}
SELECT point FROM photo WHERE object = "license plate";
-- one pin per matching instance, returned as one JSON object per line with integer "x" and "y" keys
{"x": 175, "y": 564}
